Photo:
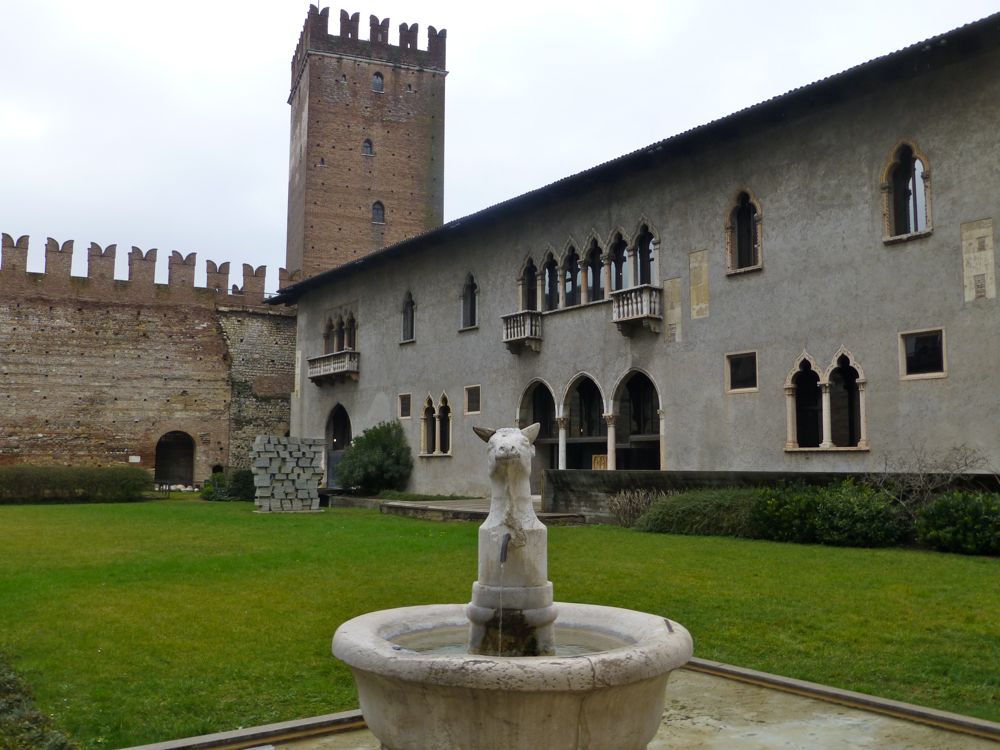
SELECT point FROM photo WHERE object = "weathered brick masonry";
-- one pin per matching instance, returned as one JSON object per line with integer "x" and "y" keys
{"x": 95, "y": 370}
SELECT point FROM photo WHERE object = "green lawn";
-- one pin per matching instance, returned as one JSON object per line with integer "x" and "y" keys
{"x": 152, "y": 621}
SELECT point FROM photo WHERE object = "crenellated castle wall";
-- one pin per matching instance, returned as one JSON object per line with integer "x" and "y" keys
{"x": 95, "y": 370}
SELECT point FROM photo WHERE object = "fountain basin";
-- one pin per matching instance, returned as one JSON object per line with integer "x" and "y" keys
{"x": 610, "y": 698}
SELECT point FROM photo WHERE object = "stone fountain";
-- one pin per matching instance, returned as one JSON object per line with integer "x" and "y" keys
{"x": 512, "y": 669}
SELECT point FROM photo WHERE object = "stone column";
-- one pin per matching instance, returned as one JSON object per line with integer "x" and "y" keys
{"x": 561, "y": 275}
{"x": 827, "y": 422}
{"x": 663, "y": 440}
{"x": 606, "y": 269}
{"x": 584, "y": 284}
{"x": 609, "y": 420}
{"x": 540, "y": 294}
{"x": 521, "y": 301}
{"x": 791, "y": 429}
{"x": 633, "y": 264}
{"x": 437, "y": 432}
{"x": 862, "y": 416}
{"x": 563, "y": 424}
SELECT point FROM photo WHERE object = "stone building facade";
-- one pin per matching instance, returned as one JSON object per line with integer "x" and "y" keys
{"x": 170, "y": 377}
{"x": 807, "y": 285}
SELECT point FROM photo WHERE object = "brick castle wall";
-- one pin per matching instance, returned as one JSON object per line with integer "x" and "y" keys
{"x": 95, "y": 370}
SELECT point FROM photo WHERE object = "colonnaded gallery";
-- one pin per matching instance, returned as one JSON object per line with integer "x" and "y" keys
{"x": 807, "y": 285}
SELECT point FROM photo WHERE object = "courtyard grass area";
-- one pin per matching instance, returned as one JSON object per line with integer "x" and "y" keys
{"x": 151, "y": 621}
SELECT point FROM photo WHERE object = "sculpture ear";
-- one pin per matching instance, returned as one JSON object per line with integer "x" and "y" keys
{"x": 484, "y": 432}
{"x": 531, "y": 431}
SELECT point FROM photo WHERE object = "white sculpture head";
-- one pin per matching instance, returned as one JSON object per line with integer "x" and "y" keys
{"x": 509, "y": 445}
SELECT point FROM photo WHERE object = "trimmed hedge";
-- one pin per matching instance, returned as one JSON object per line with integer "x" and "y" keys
{"x": 22, "y": 726}
{"x": 846, "y": 514}
{"x": 964, "y": 522}
{"x": 61, "y": 484}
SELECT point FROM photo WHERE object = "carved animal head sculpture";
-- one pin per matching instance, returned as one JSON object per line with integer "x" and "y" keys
{"x": 509, "y": 445}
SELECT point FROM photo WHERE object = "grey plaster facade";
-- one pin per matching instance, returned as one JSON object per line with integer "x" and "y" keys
{"x": 829, "y": 283}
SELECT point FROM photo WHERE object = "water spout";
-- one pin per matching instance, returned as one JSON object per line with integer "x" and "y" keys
{"x": 503, "y": 547}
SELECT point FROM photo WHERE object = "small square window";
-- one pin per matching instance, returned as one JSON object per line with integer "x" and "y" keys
{"x": 404, "y": 405}
{"x": 741, "y": 372}
{"x": 472, "y": 399}
{"x": 922, "y": 354}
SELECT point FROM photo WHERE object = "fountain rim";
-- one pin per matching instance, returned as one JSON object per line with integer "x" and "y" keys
{"x": 653, "y": 645}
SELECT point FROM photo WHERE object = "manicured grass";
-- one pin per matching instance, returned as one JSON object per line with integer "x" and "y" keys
{"x": 151, "y": 621}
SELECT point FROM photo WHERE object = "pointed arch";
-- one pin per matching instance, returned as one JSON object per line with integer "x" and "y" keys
{"x": 845, "y": 385}
{"x": 428, "y": 427}
{"x": 537, "y": 404}
{"x": 527, "y": 282}
{"x": 644, "y": 245}
{"x": 408, "y": 317}
{"x": 350, "y": 332}
{"x": 635, "y": 418}
{"x": 744, "y": 233}
{"x": 470, "y": 307}
{"x": 906, "y": 193}
{"x": 804, "y": 404}
{"x": 444, "y": 425}
{"x": 550, "y": 281}
{"x": 338, "y": 438}
{"x": 618, "y": 255}
{"x": 571, "y": 271}
{"x": 592, "y": 263}
{"x": 329, "y": 337}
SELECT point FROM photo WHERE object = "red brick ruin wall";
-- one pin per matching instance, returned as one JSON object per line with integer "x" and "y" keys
{"x": 95, "y": 370}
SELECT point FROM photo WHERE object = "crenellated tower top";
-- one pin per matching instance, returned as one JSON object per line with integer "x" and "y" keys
{"x": 316, "y": 37}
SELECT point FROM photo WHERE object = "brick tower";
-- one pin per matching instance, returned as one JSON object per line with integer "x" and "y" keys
{"x": 366, "y": 162}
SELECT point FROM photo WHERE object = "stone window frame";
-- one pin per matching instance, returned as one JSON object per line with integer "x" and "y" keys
{"x": 378, "y": 83}
{"x": 825, "y": 442}
{"x": 429, "y": 406}
{"x": 469, "y": 388}
{"x": 903, "y": 375}
{"x": 407, "y": 399}
{"x": 728, "y": 372}
{"x": 732, "y": 249}
{"x": 469, "y": 297}
{"x": 367, "y": 147}
{"x": 889, "y": 237}
{"x": 378, "y": 212}
{"x": 408, "y": 315}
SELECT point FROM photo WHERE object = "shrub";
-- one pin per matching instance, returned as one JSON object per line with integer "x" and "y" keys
{"x": 849, "y": 514}
{"x": 22, "y": 726}
{"x": 109, "y": 484}
{"x": 965, "y": 522}
{"x": 784, "y": 513}
{"x": 628, "y": 505}
{"x": 233, "y": 485}
{"x": 378, "y": 459}
{"x": 241, "y": 486}
{"x": 216, "y": 487}
{"x": 721, "y": 511}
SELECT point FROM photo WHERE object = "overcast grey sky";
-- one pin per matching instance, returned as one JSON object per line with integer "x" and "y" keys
{"x": 166, "y": 125}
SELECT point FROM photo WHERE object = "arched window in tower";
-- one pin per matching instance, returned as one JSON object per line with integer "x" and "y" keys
{"x": 444, "y": 425}
{"x": 378, "y": 213}
{"x": 808, "y": 406}
{"x": 551, "y": 272}
{"x": 367, "y": 149}
{"x": 469, "y": 293}
{"x": 351, "y": 333}
{"x": 644, "y": 255}
{"x": 909, "y": 187}
{"x": 408, "y": 317}
{"x": 595, "y": 272}
{"x": 620, "y": 277}
{"x": 529, "y": 286}
{"x": 378, "y": 83}
{"x": 845, "y": 404}
{"x": 571, "y": 270}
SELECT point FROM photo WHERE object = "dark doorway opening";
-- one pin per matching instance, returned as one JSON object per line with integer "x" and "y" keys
{"x": 338, "y": 437}
{"x": 637, "y": 427}
{"x": 174, "y": 459}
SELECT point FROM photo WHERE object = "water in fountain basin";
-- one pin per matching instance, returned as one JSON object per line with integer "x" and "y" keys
{"x": 453, "y": 640}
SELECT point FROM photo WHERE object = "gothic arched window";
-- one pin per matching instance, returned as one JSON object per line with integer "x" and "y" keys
{"x": 743, "y": 233}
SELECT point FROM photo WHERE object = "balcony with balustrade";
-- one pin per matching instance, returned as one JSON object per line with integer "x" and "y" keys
{"x": 335, "y": 367}
{"x": 637, "y": 307}
{"x": 523, "y": 330}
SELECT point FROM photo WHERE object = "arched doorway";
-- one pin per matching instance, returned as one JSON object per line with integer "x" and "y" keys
{"x": 637, "y": 425}
{"x": 538, "y": 405}
{"x": 174, "y": 459}
{"x": 587, "y": 433}
{"x": 338, "y": 437}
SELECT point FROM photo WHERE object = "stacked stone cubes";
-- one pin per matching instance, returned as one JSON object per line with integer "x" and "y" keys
{"x": 287, "y": 473}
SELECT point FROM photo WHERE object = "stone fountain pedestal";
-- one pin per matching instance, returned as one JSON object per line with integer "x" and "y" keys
{"x": 487, "y": 675}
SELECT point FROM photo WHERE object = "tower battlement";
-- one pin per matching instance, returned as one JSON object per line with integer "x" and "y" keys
{"x": 100, "y": 283}
{"x": 316, "y": 37}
